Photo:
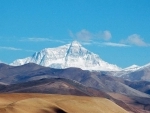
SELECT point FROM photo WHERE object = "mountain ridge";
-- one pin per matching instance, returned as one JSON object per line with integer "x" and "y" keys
{"x": 34, "y": 78}
{"x": 69, "y": 55}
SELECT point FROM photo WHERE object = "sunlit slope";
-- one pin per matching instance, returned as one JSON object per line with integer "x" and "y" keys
{"x": 45, "y": 103}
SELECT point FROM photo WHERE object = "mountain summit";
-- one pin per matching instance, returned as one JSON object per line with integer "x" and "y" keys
{"x": 69, "y": 55}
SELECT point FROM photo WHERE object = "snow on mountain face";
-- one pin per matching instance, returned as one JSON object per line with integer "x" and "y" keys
{"x": 70, "y": 55}
{"x": 132, "y": 68}
{"x": 136, "y": 68}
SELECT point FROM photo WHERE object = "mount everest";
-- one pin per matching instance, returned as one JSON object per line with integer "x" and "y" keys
{"x": 69, "y": 55}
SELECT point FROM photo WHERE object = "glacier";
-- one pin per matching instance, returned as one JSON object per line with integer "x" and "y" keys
{"x": 69, "y": 55}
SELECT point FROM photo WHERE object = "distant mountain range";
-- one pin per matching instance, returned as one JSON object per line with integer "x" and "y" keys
{"x": 33, "y": 78}
{"x": 75, "y": 55}
{"x": 70, "y": 55}
{"x": 133, "y": 73}
{"x": 73, "y": 70}
{"x": 30, "y": 72}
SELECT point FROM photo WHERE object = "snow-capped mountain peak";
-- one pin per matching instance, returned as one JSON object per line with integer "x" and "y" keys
{"x": 132, "y": 68}
{"x": 69, "y": 55}
{"x": 76, "y": 44}
{"x": 136, "y": 67}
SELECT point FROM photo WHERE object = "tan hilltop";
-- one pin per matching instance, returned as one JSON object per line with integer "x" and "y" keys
{"x": 48, "y": 103}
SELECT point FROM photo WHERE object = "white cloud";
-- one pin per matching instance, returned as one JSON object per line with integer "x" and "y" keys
{"x": 86, "y": 43}
{"x": 10, "y": 48}
{"x": 42, "y": 40}
{"x": 135, "y": 39}
{"x": 83, "y": 35}
{"x": 106, "y": 35}
{"x": 86, "y": 35}
{"x": 115, "y": 44}
{"x": 15, "y": 49}
{"x": 59, "y": 41}
{"x": 38, "y": 39}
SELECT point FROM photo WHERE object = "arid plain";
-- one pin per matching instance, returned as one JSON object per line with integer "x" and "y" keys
{"x": 47, "y": 103}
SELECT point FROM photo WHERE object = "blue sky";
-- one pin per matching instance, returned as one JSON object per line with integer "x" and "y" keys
{"x": 117, "y": 30}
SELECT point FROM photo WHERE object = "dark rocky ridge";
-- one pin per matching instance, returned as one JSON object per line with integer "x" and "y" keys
{"x": 97, "y": 80}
